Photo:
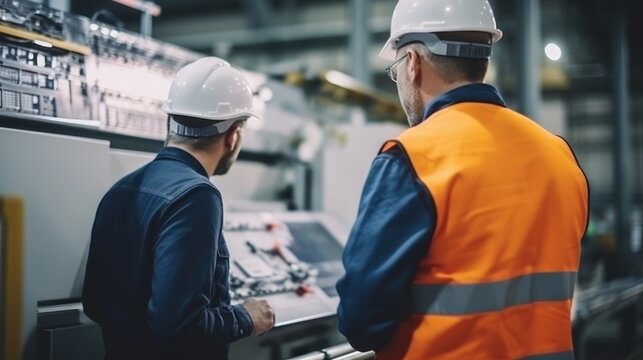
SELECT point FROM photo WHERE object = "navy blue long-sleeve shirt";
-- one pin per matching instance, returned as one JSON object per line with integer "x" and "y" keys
{"x": 157, "y": 271}
{"x": 390, "y": 236}
{"x": 392, "y": 232}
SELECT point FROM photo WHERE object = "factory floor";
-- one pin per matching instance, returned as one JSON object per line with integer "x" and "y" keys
{"x": 604, "y": 343}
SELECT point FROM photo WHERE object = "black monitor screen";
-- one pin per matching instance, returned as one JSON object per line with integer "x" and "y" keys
{"x": 313, "y": 243}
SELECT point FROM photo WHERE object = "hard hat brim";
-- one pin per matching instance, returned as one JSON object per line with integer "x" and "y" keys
{"x": 238, "y": 115}
{"x": 387, "y": 53}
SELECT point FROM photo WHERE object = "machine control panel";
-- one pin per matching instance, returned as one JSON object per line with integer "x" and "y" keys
{"x": 292, "y": 260}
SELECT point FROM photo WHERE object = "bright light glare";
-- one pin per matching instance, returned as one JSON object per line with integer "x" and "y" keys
{"x": 553, "y": 52}
{"x": 136, "y": 81}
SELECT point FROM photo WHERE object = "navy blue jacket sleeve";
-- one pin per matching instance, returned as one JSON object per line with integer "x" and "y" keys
{"x": 184, "y": 265}
{"x": 390, "y": 236}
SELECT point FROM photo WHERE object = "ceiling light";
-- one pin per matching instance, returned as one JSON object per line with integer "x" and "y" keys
{"x": 553, "y": 52}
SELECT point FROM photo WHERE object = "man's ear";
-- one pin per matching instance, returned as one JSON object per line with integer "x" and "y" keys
{"x": 232, "y": 137}
{"x": 415, "y": 67}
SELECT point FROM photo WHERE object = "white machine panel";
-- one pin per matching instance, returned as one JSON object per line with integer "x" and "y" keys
{"x": 292, "y": 259}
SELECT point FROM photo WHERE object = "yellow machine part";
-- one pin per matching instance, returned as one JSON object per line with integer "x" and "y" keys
{"x": 12, "y": 236}
{"x": 29, "y": 35}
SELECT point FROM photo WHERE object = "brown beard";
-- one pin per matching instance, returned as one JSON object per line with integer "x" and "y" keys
{"x": 226, "y": 162}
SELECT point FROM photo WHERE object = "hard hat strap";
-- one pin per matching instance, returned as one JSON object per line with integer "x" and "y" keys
{"x": 214, "y": 129}
{"x": 446, "y": 48}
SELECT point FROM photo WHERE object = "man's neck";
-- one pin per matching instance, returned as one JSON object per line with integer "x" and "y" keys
{"x": 207, "y": 160}
{"x": 441, "y": 88}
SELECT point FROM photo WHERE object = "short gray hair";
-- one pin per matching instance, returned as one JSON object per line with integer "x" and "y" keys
{"x": 453, "y": 69}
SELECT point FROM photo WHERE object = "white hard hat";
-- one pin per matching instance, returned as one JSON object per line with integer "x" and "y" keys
{"x": 210, "y": 89}
{"x": 431, "y": 16}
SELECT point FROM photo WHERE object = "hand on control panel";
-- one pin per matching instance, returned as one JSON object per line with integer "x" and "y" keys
{"x": 262, "y": 314}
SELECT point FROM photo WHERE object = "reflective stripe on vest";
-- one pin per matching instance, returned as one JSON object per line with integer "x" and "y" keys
{"x": 566, "y": 355}
{"x": 463, "y": 299}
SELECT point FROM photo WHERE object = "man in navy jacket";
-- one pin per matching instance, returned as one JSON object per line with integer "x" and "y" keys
{"x": 158, "y": 266}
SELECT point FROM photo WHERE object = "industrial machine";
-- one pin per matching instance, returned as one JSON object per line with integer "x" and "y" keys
{"x": 58, "y": 66}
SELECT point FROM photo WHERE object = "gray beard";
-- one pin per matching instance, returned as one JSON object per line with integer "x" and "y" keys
{"x": 413, "y": 107}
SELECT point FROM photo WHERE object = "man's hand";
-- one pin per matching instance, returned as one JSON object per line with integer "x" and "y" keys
{"x": 262, "y": 315}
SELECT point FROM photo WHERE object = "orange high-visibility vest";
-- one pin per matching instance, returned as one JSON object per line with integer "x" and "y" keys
{"x": 512, "y": 206}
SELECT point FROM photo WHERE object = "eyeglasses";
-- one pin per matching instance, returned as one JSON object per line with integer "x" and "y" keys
{"x": 391, "y": 70}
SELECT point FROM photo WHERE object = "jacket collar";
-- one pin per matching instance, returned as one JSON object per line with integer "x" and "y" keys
{"x": 174, "y": 153}
{"x": 479, "y": 92}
